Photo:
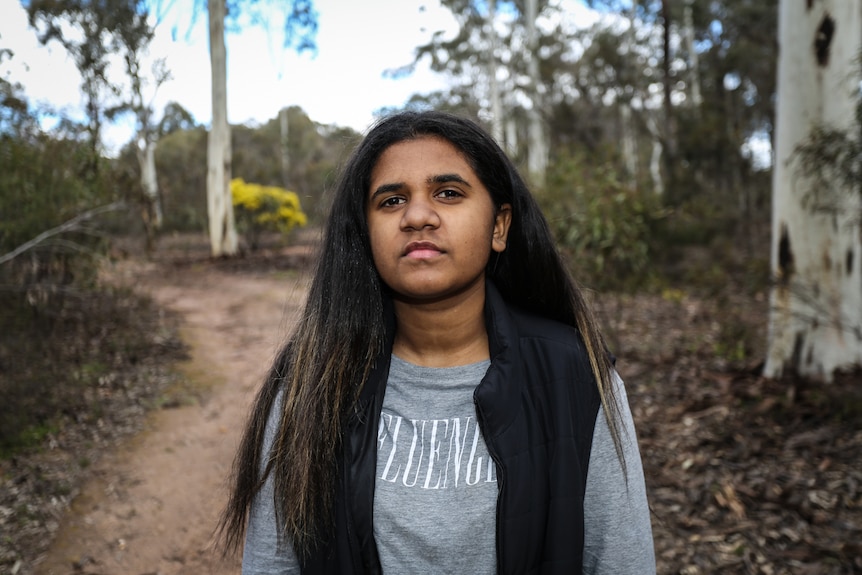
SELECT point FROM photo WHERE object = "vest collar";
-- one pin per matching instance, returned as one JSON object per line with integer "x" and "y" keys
{"x": 497, "y": 395}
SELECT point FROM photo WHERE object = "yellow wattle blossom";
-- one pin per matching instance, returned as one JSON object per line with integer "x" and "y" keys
{"x": 260, "y": 208}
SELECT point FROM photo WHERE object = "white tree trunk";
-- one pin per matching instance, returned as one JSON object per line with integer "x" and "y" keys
{"x": 285, "y": 149}
{"x": 816, "y": 303}
{"x": 629, "y": 143}
{"x": 223, "y": 238}
{"x": 493, "y": 84}
{"x": 693, "y": 61}
{"x": 511, "y": 136}
{"x": 655, "y": 167}
{"x": 537, "y": 154}
{"x": 655, "y": 157}
{"x": 149, "y": 182}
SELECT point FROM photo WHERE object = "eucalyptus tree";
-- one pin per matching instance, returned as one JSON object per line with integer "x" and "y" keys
{"x": 15, "y": 118}
{"x": 91, "y": 32}
{"x": 220, "y": 216}
{"x": 314, "y": 151}
{"x": 537, "y": 154}
{"x": 143, "y": 88}
{"x": 496, "y": 58}
{"x": 609, "y": 76}
{"x": 704, "y": 73}
{"x": 300, "y": 27}
{"x": 815, "y": 325}
{"x": 175, "y": 117}
{"x": 638, "y": 39}
{"x": 94, "y": 33}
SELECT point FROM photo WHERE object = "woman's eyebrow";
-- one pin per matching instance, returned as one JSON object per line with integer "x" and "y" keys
{"x": 386, "y": 189}
{"x": 446, "y": 178}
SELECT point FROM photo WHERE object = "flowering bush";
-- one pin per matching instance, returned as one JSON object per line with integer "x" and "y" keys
{"x": 264, "y": 208}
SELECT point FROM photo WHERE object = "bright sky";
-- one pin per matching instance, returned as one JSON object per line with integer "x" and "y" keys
{"x": 342, "y": 85}
{"x": 357, "y": 40}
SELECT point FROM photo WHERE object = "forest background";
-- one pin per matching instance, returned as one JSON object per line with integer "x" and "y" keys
{"x": 647, "y": 138}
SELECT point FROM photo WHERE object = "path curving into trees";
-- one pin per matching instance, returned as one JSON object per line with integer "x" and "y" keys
{"x": 744, "y": 474}
{"x": 151, "y": 505}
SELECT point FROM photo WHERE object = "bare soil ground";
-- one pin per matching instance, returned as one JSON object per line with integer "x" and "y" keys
{"x": 744, "y": 475}
{"x": 149, "y": 506}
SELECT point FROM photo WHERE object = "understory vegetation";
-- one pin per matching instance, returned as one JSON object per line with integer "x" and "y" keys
{"x": 663, "y": 212}
{"x": 66, "y": 331}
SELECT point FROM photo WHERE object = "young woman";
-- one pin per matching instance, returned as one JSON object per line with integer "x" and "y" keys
{"x": 446, "y": 403}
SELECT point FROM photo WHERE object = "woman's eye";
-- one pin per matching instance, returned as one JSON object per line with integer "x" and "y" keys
{"x": 391, "y": 201}
{"x": 449, "y": 194}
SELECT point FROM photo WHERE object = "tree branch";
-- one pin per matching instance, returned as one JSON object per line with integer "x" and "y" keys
{"x": 68, "y": 226}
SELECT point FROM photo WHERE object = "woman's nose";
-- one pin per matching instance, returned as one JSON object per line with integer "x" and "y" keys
{"x": 419, "y": 214}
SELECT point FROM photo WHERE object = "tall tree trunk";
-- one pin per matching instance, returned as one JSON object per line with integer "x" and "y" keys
{"x": 668, "y": 136}
{"x": 815, "y": 323}
{"x": 693, "y": 61}
{"x": 493, "y": 84}
{"x": 628, "y": 139}
{"x": 223, "y": 238}
{"x": 285, "y": 150}
{"x": 666, "y": 75}
{"x": 537, "y": 154}
{"x": 149, "y": 181}
{"x": 152, "y": 215}
{"x": 629, "y": 143}
{"x": 656, "y": 156}
{"x": 512, "y": 136}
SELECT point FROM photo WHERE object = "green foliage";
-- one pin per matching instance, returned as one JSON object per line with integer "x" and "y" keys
{"x": 828, "y": 162}
{"x": 314, "y": 152}
{"x": 181, "y": 161}
{"x": 15, "y": 117}
{"x": 265, "y": 208}
{"x": 39, "y": 188}
{"x": 694, "y": 150}
{"x": 93, "y": 33}
{"x": 603, "y": 225}
{"x": 46, "y": 182}
{"x": 49, "y": 334}
{"x": 832, "y": 158}
{"x": 175, "y": 117}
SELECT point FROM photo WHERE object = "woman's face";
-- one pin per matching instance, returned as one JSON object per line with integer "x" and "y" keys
{"x": 432, "y": 223}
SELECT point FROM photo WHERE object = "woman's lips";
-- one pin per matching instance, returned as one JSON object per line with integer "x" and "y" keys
{"x": 422, "y": 250}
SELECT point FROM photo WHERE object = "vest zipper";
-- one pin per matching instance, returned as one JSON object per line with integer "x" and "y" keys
{"x": 501, "y": 480}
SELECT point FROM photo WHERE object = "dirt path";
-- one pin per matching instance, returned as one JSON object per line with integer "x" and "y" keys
{"x": 744, "y": 474}
{"x": 152, "y": 505}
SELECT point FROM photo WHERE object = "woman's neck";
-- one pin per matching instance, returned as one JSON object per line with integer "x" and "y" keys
{"x": 442, "y": 334}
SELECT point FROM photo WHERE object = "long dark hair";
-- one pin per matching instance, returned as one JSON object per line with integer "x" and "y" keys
{"x": 327, "y": 359}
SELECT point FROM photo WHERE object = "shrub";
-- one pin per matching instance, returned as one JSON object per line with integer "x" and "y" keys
{"x": 264, "y": 208}
{"x": 56, "y": 329}
{"x": 604, "y": 225}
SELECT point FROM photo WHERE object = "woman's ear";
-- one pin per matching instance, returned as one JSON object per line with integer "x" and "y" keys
{"x": 502, "y": 221}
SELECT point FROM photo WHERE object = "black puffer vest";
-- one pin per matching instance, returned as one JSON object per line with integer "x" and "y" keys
{"x": 537, "y": 407}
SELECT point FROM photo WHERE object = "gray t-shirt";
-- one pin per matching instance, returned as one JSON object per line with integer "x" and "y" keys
{"x": 435, "y": 494}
